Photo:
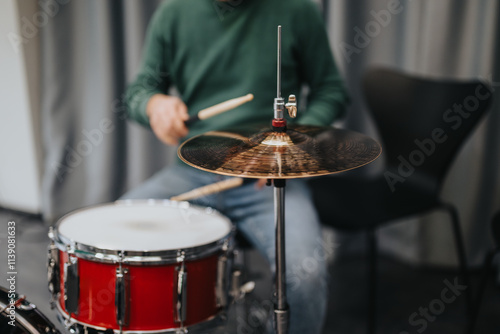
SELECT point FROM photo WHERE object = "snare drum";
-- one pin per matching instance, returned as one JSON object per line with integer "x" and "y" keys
{"x": 141, "y": 266}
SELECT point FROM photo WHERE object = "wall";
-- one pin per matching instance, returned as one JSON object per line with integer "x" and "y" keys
{"x": 20, "y": 152}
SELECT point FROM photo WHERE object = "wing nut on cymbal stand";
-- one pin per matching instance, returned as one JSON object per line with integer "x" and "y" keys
{"x": 292, "y": 106}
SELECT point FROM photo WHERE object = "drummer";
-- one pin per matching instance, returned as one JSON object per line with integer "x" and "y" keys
{"x": 212, "y": 51}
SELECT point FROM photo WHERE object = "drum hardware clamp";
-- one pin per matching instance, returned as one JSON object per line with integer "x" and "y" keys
{"x": 17, "y": 302}
{"x": 238, "y": 291}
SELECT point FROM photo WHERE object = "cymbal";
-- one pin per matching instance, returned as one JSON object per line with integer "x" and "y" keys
{"x": 302, "y": 151}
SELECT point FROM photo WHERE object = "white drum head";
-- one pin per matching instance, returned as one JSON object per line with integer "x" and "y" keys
{"x": 144, "y": 226}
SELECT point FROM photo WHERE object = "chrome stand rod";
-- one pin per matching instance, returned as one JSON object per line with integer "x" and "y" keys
{"x": 278, "y": 90}
{"x": 279, "y": 103}
{"x": 281, "y": 305}
{"x": 279, "y": 197}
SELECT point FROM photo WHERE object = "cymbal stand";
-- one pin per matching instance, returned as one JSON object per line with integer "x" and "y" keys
{"x": 281, "y": 310}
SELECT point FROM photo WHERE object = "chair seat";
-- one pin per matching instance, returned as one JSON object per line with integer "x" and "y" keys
{"x": 352, "y": 203}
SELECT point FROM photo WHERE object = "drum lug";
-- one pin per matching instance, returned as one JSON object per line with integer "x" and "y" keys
{"x": 180, "y": 301}
{"x": 226, "y": 246}
{"x": 221, "y": 288}
{"x": 71, "y": 283}
{"x": 53, "y": 267}
{"x": 122, "y": 296}
{"x": 236, "y": 285}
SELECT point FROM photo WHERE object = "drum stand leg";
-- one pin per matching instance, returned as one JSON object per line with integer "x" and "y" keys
{"x": 281, "y": 311}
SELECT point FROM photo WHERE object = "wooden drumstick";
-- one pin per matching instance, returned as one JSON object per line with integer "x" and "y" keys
{"x": 209, "y": 189}
{"x": 218, "y": 109}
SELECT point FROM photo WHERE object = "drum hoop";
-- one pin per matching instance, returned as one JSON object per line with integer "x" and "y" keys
{"x": 209, "y": 323}
{"x": 93, "y": 253}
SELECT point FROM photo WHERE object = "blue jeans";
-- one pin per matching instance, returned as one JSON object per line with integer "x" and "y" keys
{"x": 252, "y": 211}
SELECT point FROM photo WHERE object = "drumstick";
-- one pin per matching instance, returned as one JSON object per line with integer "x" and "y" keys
{"x": 210, "y": 189}
{"x": 218, "y": 108}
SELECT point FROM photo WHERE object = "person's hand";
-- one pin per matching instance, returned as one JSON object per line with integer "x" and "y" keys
{"x": 260, "y": 183}
{"x": 166, "y": 118}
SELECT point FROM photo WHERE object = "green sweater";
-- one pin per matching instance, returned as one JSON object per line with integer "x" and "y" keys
{"x": 212, "y": 51}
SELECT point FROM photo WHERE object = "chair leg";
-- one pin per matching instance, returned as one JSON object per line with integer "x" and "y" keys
{"x": 459, "y": 243}
{"x": 488, "y": 262}
{"x": 372, "y": 281}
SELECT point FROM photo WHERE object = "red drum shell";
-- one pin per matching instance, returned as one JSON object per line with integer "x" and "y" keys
{"x": 151, "y": 294}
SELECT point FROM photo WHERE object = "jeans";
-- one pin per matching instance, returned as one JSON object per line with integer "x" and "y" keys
{"x": 252, "y": 211}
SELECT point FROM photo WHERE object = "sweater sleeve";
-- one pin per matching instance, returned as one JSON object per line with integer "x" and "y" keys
{"x": 327, "y": 97}
{"x": 153, "y": 76}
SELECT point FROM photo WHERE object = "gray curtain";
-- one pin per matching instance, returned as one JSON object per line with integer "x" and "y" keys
{"x": 91, "y": 49}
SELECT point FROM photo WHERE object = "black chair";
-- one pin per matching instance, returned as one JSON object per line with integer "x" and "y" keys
{"x": 422, "y": 124}
{"x": 487, "y": 268}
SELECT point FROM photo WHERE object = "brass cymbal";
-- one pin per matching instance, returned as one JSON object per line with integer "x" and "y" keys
{"x": 302, "y": 151}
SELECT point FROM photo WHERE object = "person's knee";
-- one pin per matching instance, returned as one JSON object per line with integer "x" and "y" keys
{"x": 307, "y": 290}
{"x": 307, "y": 275}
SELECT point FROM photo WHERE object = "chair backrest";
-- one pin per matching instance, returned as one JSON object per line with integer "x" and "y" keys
{"x": 422, "y": 123}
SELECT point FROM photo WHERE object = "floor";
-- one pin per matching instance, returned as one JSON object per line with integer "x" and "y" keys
{"x": 406, "y": 292}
